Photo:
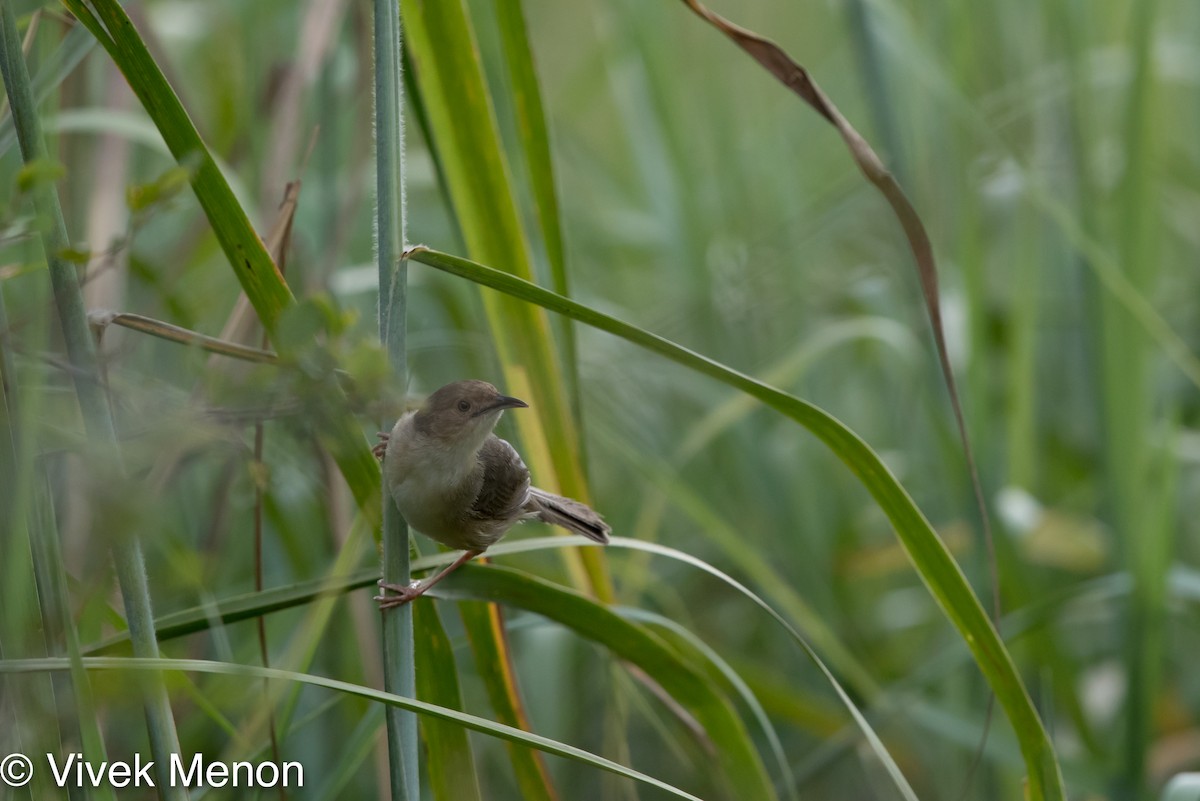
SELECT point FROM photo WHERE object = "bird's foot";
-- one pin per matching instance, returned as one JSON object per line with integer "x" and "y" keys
{"x": 381, "y": 449}
{"x": 404, "y": 594}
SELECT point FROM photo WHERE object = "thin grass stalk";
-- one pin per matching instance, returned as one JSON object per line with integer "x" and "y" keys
{"x": 93, "y": 403}
{"x": 1143, "y": 473}
{"x": 399, "y": 662}
{"x": 72, "y": 694}
{"x": 56, "y": 616}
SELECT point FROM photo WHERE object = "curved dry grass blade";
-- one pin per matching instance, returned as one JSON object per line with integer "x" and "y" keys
{"x": 795, "y": 77}
{"x": 184, "y": 336}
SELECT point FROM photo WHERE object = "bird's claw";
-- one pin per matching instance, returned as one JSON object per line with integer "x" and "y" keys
{"x": 404, "y": 594}
{"x": 381, "y": 449}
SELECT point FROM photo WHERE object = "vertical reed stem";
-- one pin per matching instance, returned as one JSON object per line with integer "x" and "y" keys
{"x": 398, "y": 668}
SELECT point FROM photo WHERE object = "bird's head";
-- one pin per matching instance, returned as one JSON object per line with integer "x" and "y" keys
{"x": 462, "y": 415}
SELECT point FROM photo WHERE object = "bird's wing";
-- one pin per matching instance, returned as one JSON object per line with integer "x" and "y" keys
{"x": 505, "y": 485}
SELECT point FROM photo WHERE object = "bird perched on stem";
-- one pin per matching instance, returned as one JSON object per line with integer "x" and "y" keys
{"x": 457, "y": 482}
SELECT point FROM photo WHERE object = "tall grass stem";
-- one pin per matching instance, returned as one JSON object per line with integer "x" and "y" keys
{"x": 399, "y": 663}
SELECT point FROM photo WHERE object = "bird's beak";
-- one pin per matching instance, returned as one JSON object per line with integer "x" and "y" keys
{"x": 503, "y": 402}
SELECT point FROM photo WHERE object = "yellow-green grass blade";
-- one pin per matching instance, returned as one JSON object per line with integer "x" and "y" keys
{"x": 449, "y": 74}
{"x": 472, "y": 722}
{"x": 247, "y": 255}
{"x": 484, "y": 624}
{"x": 451, "y": 762}
{"x": 936, "y": 567}
{"x": 535, "y": 144}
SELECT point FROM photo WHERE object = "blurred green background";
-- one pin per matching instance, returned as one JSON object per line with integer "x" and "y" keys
{"x": 1051, "y": 151}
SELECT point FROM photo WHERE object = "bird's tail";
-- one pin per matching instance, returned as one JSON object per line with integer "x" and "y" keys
{"x": 571, "y": 515}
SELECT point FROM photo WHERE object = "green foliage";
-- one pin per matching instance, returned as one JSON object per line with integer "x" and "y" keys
{"x": 616, "y": 168}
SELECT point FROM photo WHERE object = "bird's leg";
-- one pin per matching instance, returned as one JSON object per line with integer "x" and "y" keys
{"x": 418, "y": 588}
{"x": 380, "y": 449}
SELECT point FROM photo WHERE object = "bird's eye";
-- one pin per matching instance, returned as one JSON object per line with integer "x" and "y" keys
{"x": 464, "y": 406}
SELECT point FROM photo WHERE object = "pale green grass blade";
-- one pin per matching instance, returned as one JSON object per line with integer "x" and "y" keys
{"x": 731, "y": 542}
{"x": 52, "y": 593}
{"x": 358, "y": 749}
{"x": 469, "y": 721}
{"x": 703, "y": 653}
{"x": 1143, "y": 478}
{"x": 933, "y": 562}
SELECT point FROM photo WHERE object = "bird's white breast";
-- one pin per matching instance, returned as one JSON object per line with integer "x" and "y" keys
{"x": 423, "y": 476}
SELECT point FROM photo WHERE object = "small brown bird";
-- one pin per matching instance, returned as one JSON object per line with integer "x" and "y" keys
{"x": 457, "y": 482}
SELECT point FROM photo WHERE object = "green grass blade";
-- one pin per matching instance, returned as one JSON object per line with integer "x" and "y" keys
{"x": 1142, "y": 478}
{"x": 254, "y": 604}
{"x": 796, "y": 78}
{"x": 936, "y": 567}
{"x": 735, "y": 752}
{"x": 247, "y": 255}
{"x": 442, "y": 47}
{"x": 56, "y": 614}
{"x": 451, "y": 763}
{"x": 357, "y": 750}
{"x": 484, "y": 624}
{"x": 259, "y": 276}
{"x": 472, "y": 722}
